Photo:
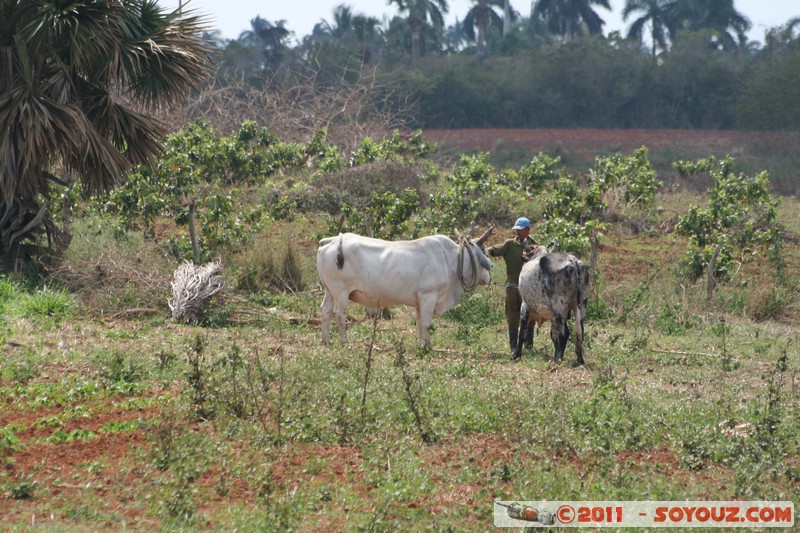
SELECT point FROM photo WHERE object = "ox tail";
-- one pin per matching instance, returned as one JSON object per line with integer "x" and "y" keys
{"x": 339, "y": 254}
{"x": 578, "y": 279}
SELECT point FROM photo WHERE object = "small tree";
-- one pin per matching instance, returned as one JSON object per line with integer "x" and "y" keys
{"x": 740, "y": 218}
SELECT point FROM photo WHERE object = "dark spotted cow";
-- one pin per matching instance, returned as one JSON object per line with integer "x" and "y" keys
{"x": 553, "y": 286}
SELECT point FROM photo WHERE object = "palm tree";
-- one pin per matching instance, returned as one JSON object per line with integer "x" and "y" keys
{"x": 368, "y": 33}
{"x": 455, "y": 37}
{"x": 720, "y": 16}
{"x": 268, "y": 39}
{"x": 481, "y": 16}
{"x": 350, "y": 32}
{"x": 76, "y": 86}
{"x": 781, "y": 37}
{"x": 569, "y": 18}
{"x": 653, "y": 12}
{"x": 508, "y": 16}
{"x": 342, "y": 23}
{"x": 418, "y": 12}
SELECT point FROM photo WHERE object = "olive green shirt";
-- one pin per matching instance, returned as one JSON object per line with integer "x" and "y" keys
{"x": 511, "y": 251}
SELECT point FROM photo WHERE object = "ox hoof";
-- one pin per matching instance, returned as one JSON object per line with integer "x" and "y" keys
{"x": 516, "y": 356}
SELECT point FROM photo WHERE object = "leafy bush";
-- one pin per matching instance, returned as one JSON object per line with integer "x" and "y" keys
{"x": 741, "y": 215}
{"x": 356, "y": 187}
{"x": 119, "y": 369}
{"x": 541, "y": 169}
{"x": 473, "y": 192}
{"x": 565, "y": 236}
{"x": 393, "y": 148}
{"x": 386, "y": 216}
{"x": 9, "y": 442}
{"x": 566, "y": 202}
{"x": 633, "y": 175}
{"x": 193, "y": 168}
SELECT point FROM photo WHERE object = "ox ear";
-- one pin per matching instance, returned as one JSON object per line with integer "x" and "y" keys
{"x": 485, "y": 235}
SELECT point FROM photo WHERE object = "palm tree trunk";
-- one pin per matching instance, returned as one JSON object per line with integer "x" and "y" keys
{"x": 506, "y": 17}
{"x": 481, "y": 42}
{"x": 415, "y": 45}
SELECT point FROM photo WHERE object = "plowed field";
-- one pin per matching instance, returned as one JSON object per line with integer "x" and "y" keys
{"x": 776, "y": 152}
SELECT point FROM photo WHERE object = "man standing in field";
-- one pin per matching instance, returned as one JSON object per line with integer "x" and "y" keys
{"x": 513, "y": 252}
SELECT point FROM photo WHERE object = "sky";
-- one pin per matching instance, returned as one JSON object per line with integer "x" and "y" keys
{"x": 231, "y": 17}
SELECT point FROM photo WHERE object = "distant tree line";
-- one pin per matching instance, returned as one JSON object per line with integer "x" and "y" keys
{"x": 679, "y": 64}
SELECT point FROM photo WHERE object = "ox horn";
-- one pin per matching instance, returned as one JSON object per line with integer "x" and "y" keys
{"x": 485, "y": 235}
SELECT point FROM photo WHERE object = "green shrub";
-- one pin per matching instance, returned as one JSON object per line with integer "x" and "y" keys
{"x": 473, "y": 192}
{"x": 386, "y": 216}
{"x": 473, "y": 313}
{"x": 118, "y": 368}
{"x": 741, "y": 216}
{"x": 674, "y": 319}
{"x": 542, "y": 169}
{"x": 633, "y": 175}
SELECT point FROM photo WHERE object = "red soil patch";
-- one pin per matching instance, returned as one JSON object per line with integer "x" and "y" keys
{"x": 589, "y": 142}
{"x": 60, "y": 469}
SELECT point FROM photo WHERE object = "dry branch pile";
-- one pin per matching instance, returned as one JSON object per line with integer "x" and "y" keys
{"x": 349, "y": 112}
{"x": 192, "y": 289}
{"x": 114, "y": 284}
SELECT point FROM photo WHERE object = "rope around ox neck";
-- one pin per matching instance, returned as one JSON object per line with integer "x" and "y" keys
{"x": 463, "y": 243}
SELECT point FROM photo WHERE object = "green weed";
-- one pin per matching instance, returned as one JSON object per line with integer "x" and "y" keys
{"x": 46, "y": 303}
{"x": 23, "y": 490}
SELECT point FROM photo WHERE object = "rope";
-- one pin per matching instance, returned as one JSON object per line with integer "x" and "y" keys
{"x": 464, "y": 243}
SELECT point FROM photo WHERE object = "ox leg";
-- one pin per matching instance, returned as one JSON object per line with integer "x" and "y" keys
{"x": 529, "y": 334}
{"x": 524, "y": 331}
{"x": 559, "y": 333}
{"x": 526, "y": 328}
{"x": 340, "y": 312}
{"x": 579, "y": 336}
{"x": 327, "y": 310}
{"x": 425, "y": 307}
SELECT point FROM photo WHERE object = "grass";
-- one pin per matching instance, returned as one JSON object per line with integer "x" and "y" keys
{"x": 256, "y": 425}
{"x": 495, "y": 429}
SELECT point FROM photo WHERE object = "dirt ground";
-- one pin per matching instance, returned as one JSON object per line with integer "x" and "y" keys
{"x": 588, "y": 142}
{"x": 777, "y": 152}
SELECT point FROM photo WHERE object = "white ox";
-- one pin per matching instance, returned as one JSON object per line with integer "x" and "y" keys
{"x": 428, "y": 273}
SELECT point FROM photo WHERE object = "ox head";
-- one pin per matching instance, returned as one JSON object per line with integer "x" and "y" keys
{"x": 474, "y": 264}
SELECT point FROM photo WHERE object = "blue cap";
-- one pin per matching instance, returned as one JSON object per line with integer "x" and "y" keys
{"x": 521, "y": 223}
